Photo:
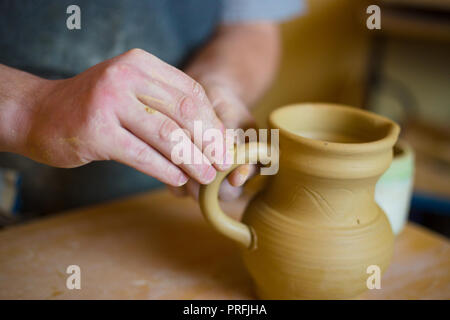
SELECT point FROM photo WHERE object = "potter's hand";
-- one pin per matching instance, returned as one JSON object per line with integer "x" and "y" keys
{"x": 123, "y": 109}
{"x": 235, "y": 67}
{"x": 234, "y": 114}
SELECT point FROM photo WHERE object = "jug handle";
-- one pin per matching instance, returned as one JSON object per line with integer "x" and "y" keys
{"x": 209, "y": 199}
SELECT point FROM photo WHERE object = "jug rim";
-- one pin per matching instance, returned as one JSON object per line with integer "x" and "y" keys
{"x": 387, "y": 140}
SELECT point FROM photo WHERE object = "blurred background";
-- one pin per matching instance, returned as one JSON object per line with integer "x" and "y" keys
{"x": 401, "y": 71}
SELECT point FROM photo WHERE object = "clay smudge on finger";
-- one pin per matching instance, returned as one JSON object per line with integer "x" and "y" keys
{"x": 159, "y": 96}
{"x": 150, "y": 110}
{"x": 72, "y": 141}
{"x": 148, "y": 99}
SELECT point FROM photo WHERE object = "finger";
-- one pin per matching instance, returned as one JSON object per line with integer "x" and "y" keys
{"x": 159, "y": 131}
{"x": 124, "y": 147}
{"x": 241, "y": 174}
{"x": 192, "y": 115}
{"x": 229, "y": 108}
{"x": 181, "y": 97}
{"x": 227, "y": 192}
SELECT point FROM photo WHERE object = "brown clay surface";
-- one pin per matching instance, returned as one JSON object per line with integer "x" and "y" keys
{"x": 156, "y": 246}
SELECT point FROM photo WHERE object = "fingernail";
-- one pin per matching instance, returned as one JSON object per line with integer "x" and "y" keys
{"x": 182, "y": 179}
{"x": 243, "y": 174}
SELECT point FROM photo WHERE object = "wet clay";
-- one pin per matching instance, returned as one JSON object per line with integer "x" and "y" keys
{"x": 315, "y": 228}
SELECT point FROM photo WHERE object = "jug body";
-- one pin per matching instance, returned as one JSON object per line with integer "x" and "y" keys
{"x": 315, "y": 230}
{"x": 297, "y": 258}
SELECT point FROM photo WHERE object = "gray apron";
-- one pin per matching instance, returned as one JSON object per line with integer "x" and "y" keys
{"x": 34, "y": 37}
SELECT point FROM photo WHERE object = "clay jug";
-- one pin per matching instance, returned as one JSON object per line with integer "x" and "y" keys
{"x": 314, "y": 229}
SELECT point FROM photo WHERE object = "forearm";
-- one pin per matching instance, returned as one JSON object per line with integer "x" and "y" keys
{"x": 245, "y": 56}
{"x": 18, "y": 90}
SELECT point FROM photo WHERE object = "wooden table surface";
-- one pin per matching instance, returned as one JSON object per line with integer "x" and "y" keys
{"x": 156, "y": 246}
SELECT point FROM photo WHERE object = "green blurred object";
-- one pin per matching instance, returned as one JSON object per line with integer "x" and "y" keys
{"x": 393, "y": 191}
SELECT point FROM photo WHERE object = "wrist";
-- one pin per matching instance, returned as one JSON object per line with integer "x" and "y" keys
{"x": 19, "y": 96}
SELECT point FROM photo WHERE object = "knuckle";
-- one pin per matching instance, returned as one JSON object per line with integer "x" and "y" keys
{"x": 165, "y": 130}
{"x": 186, "y": 107}
{"x": 118, "y": 70}
{"x": 198, "y": 91}
{"x": 142, "y": 155}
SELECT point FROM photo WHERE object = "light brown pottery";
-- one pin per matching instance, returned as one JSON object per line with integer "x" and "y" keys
{"x": 315, "y": 228}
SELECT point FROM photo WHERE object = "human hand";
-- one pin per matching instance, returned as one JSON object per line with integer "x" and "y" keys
{"x": 123, "y": 109}
{"x": 233, "y": 114}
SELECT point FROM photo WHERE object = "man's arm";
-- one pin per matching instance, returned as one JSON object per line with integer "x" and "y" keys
{"x": 243, "y": 57}
{"x": 18, "y": 90}
{"x": 124, "y": 109}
